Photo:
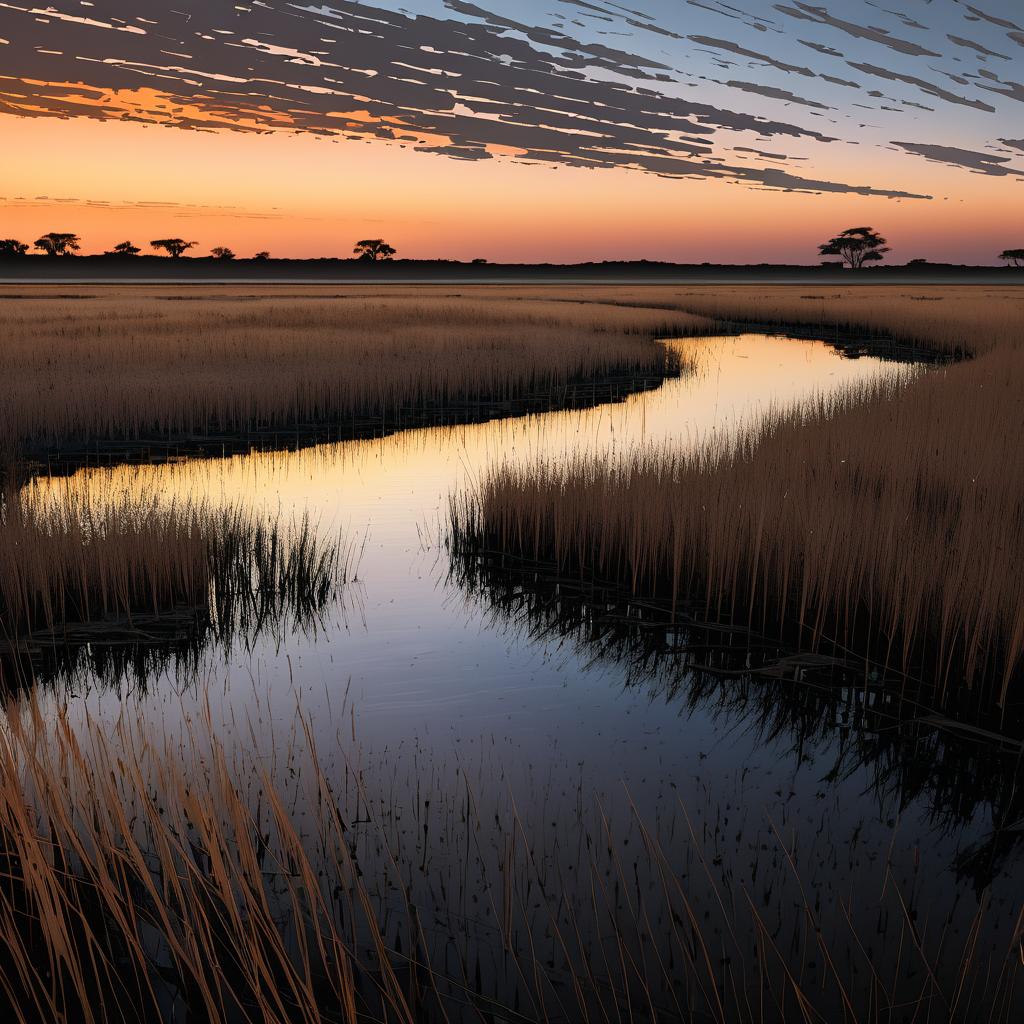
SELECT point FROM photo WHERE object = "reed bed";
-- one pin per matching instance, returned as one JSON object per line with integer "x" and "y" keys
{"x": 78, "y": 569}
{"x": 959, "y": 321}
{"x": 154, "y": 873}
{"x": 887, "y": 523}
{"x": 109, "y": 368}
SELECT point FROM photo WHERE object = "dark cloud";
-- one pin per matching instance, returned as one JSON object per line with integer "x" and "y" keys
{"x": 776, "y": 94}
{"x": 461, "y": 88}
{"x": 969, "y": 44}
{"x": 821, "y": 48}
{"x": 924, "y": 86}
{"x": 762, "y": 153}
{"x": 983, "y": 163}
{"x": 483, "y": 80}
{"x": 841, "y": 81}
{"x": 1011, "y": 90}
{"x": 724, "y": 44}
{"x": 640, "y": 21}
{"x": 821, "y": 16}
{"x": 1001, "y": 22}
{"x": 727, "y": 10}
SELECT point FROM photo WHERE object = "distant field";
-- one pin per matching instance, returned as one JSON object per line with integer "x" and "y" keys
{"x": 203, "y": 271}
{"x": 110, "y": 365}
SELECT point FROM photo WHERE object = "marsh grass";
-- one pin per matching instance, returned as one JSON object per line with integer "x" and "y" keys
{"x": 104, "y": 372}
{"x": 887, "y": 521}
{"x": 82, "y": 573}
{"x": 154, "y": 873}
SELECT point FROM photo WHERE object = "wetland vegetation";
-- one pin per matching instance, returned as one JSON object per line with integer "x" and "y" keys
{"x": 512, "y": 654}
{"x": 161, "y": 372}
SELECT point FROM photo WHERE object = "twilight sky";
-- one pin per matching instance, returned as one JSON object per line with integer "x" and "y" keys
{"x": 720, "y": 130}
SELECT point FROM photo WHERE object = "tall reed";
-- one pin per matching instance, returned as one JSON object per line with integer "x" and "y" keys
{"x": 110, "y": 368}
{"x": 888, "y": 522}
{"x": 154, "y": 873}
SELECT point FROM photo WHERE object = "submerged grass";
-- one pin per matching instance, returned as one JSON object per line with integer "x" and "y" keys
{"x": 887, "y": 521}
{"x": 800, "y": 704}
{"x": 159, "y": 874}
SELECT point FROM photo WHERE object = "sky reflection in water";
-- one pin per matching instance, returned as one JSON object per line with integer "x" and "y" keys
{"x": 417, "y": 676}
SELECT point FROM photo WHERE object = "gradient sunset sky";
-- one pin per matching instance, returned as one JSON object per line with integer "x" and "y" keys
{"x": 562, "y": 130}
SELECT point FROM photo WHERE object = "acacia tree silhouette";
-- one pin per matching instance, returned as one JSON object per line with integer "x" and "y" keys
{"x": 174, "y": 246}
{"x": 264, "y": 255}
{"x": 59, "y": 243}
{"x": 222, "y": 252}
{"x": 856, "y": 246}
{"x": 374, "y": 249}
{"x": 124, "y": 249}
{"x": 12, "y": 247}
{"x": 1013, "y": 257}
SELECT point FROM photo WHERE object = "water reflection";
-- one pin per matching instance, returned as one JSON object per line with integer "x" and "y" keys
{"x": 569, "y": 740}
{"x": 389, "y": 495}
{"x": 822, "y": 709}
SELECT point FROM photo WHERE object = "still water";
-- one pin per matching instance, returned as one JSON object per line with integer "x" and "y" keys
{"x": 428, "y": 690}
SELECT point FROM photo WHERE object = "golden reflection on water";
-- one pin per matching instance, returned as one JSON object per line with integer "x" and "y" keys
{"x": 395, "y": 487}
{"x": 416, "y": 662}
{"x": 419, "y": 669}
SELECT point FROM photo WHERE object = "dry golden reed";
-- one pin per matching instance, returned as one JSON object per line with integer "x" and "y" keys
{"x": 75, "y": 563}
{"x": 67, "y": 559}
{"x": 111, "y": 366}
{"x": 158, "y": 873}
{"x": 889, "y": 520}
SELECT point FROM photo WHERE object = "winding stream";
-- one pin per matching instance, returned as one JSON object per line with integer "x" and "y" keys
{"x": 422, "y": 686}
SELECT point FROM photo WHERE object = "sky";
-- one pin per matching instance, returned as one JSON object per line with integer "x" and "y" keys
{"x": 737, "y": 131}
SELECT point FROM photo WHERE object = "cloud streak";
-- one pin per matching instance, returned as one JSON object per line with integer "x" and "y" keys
{"x": 599, "y": 85}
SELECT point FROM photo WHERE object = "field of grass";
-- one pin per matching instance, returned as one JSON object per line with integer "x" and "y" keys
{"x": 888, "y": 522}
{"x": 143, "y": 872}
{"x": 110, "y": 366}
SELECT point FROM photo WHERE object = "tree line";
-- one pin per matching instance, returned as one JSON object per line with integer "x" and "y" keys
{"x": 854, "y": 247}
{"x": 66, "y": 243}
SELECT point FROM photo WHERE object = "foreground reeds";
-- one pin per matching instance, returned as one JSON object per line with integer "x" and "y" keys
{"x": 157, "y": 874}
{"x": 886, "y": 524}
{"x": 85, "y": 573}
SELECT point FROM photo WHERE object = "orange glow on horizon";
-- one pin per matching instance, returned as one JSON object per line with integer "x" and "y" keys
{"x": 303, "y": 195}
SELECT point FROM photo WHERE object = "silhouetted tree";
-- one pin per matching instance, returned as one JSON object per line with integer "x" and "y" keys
{"x": 174, "y": 246}
{"x": 479, "y": 260}
{"x": 856, "y": 246}
{"x": 59, "y": 243}
{"x": 1013, "y": 257}
{"x": 124, "y": 249}
{"x": 10, "y": 247}
{"x": 374, "y": 249}
{"x": 262, "y": 255}
{"x": 222, "y": 252}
